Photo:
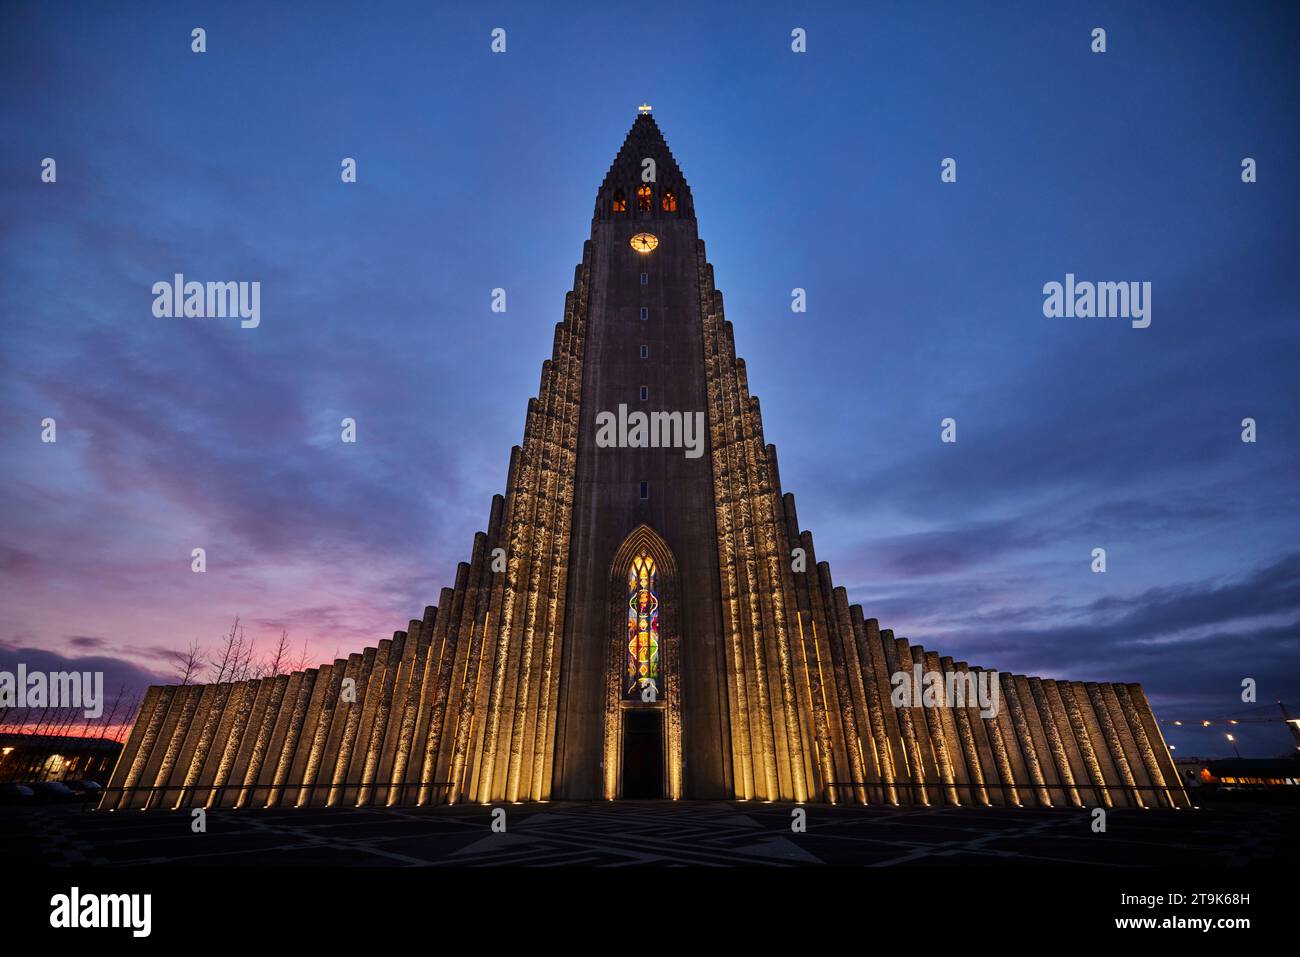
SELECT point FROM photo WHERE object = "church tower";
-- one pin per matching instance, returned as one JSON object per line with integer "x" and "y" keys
{"x": 645, "y": 352}
{"x": 643, "y": 616}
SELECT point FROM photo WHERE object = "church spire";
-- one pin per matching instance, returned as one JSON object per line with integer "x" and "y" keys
{"x": 644, "y": 182}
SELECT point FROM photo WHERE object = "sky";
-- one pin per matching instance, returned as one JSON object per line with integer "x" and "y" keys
{"x": 818, "y": 170}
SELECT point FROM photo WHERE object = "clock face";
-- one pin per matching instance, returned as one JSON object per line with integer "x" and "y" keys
{"x": 644, "y": 242}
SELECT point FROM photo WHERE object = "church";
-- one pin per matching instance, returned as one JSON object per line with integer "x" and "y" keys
{"x": 640, "y": 622}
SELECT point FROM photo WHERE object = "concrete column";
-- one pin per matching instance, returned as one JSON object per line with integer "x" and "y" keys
{"x": 836, "y": 673}
{"x": 226, "y": 738}
{"x": 884, "y": 719}
{"x": 294, "y": 712}
{"x": 366, "y": 795}
{"x": 1056, "y": 741}
{"x": 173, "y": 734}
{"x": 835, "y": 702}
{"x": 1080, "y": 717}
{"x": 1002, "y": 742}
{"x": 1164, "y": 796}
{"x": 329, "y": 684}
{"x": 813, "y": 675}
{"x": 324, "y": 781}
{"x": 255, "y": 761}
{"x": 229, "y": 789}
{"x": 553, "y": 565}
{"x": 974, "y": 737}
{"x": 341, "y": 792}
{"x": 406, "y": 764}
{"x": 1176, "y": 793}
{"x": 478, "y": 667}
{"x": 449, "y": 728}
{"x": 915, "y": 728}
{"x": 1142, "y": 783}
{"x": 130, "y": 763}
{"x": 517, "y": 738}
{"x": 1038, "y": 738}
{"x": 851, "y": 698}
{"x": 496, "y": 645}
{"x": 198, "y": 741}
{"x": 722, "y": 446}
{"x": 447, "y": 660}
{"x": 942, "y": 718}
{"x": 932, "y": 720}
{"x": 570, "y": 339}
{"x": 521, "y": 500}
{"x": 1019, "y": 715}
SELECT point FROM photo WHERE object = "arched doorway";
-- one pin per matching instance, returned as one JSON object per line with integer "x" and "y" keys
{"x": 643, "y": 707}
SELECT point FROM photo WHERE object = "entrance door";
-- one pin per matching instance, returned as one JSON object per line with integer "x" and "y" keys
{"x": 643, "y": 754}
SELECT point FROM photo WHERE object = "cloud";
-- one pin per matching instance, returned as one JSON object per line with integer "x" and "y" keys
{"x": 124, "y": 684}
{"x": 87, "y": 641}
{"x": 117, "y": 671}
{"x": 956, "y": 548}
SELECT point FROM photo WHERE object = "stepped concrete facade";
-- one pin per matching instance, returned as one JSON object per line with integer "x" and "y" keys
{"x": 640, "y": 622}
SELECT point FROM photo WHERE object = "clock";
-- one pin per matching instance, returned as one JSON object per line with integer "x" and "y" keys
{"x": 644, "y": 242}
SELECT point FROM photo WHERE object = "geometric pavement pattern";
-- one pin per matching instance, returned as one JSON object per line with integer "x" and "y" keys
{"x": 704, "y": 834}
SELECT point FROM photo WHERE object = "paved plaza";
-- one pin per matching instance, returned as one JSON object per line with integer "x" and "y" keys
{"x": 650, "y": 833}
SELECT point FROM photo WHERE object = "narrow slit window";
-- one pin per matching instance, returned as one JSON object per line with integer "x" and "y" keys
{"x": 645, "y": 491}
{"x": 645, "y": 393}
{"x": 645, "y": 352}
{"x": 645, "y": 279}
{"x": 645, "y": 313}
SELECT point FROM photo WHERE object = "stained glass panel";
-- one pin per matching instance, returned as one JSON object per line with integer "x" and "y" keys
{"x": 642, "y": 627}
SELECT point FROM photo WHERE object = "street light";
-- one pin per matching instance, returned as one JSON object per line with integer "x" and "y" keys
{"x": 1234, "y": 743}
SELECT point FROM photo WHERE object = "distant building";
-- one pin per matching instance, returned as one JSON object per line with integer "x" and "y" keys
{"x": 1240, "y": 773}
{"x": 52, "y": 757}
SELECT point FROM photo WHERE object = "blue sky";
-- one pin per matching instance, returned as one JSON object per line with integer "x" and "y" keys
{"x": 818, "y": 170}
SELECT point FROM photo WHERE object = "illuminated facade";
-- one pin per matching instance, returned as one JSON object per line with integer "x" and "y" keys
{"x": 640, "y": 622}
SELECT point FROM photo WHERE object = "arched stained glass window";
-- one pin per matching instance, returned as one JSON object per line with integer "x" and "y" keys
{"x": 620, "y": 201}
{"x": 643, "y": 199}
{"x": 642, "y": 627}
{"x": 670, "y": 202}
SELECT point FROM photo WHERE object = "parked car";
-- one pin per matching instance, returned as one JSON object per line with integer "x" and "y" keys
{"x": 52, "y": 792}
{"x": 16, "y": 794}
{"x": 85, "y": 790}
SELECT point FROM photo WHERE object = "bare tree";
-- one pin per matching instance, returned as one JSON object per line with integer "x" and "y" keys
{"x": 18, "y": 720}
{"x": 127, "y": 720}
{"x": 234, "y": 658}
{"x": 278, "y": 661}
{"x": 187, "y": 664}
{"x": 106, "y": 720}
{"x": 302, "y": 662}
